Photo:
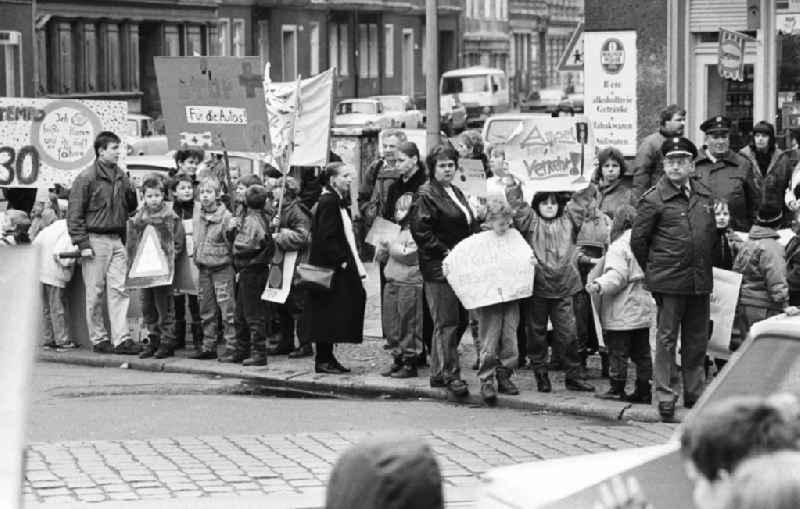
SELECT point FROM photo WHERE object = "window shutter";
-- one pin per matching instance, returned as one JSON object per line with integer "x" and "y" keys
{"x": 710, "y": 15}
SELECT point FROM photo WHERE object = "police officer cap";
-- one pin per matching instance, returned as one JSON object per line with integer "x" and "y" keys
{"x": 681, "y": 146}
{"x": 718, "y": 124}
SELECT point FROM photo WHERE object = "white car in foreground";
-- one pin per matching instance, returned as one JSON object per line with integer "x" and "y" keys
{"x": 141, "y": 138}
{"x": 402, "y": 110}
{"x": 362, "y": 113}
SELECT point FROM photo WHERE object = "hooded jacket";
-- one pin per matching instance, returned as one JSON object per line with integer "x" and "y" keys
{"x": 763, "y": 269}
{"x": 54, "y": 239}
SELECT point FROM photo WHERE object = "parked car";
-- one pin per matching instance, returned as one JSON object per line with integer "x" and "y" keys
{"x": 362, "y": 113}
{"x": 483, "y": 91}
{"x": 401, "y": 109}
{"x": 544, "y": 100}
{"x": 575, "y": 102}
{"x": 765, "y": 364}
{"x": 141, "y": 136}
{"x": 452, "y": 114}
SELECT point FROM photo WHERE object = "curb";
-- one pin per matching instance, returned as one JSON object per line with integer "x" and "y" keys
{"x": 352, "y": 386}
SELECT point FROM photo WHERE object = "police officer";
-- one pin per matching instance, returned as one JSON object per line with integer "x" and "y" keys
{"x": 729, "y": 175}
{"x": 671, "y": 239}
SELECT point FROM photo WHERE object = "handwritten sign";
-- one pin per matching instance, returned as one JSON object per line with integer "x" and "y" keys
{"x": 49, "y": 141}
{"x": 208, "y": 101}
{"x": 278, "y": 291}
{"x": 486, "y": 269}
{"x": 723, "y": 309}
{"x": 382, "y": 230}
{"x": 471, "y": 178}
{"x": 151, "y": 255}
{"x": 551, "y": 154}
{"x": 610, "y": 90}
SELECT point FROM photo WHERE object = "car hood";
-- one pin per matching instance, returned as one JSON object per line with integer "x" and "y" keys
{"x": 355, "y": 118}
{"x": 540, "y": 484}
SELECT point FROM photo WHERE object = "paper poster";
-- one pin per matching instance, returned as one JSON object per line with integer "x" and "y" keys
{"x": 723, "y": 309}
{"x": 187, "y": 276}
{"x": 382, "y": 230}
{"x": 551, "y": 154}
{"x": 471, "y": 178}
{"x": 279, "y": 282}
{"x": 311, "y": 129}
{"x": 49, "y": 141}
{"x": 596, "y": 301}
{"x": 211, "y": 101}
{"x": 487, "y": 269}
{"x": 151, "y": 255}
{"x": 610, "y": 88}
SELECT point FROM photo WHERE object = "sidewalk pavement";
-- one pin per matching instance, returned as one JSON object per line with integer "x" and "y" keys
{"x": 367, "y": 360}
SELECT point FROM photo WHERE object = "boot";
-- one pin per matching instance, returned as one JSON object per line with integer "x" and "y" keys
{"x": 255, "y": 359}
{"x": 504, "y": 383}
{"x": 164, "y": 350}
{"x": 393, "y": 368}
{"x": 407, "y": 370}
{"x": 642, "y": 393}
{"x": 572, "y": 384}
{"x": 615, "y": 392}
{"x": 231, "y": 357}
{"x": 180, "y": 335}
{"x": 197, "y": 336}
{"x": 489, "y": 393}
{"x": 543, "y": 382}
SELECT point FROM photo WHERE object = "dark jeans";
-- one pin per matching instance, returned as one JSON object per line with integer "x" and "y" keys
{"x": 158, "y": 312}
{"x": 689, "y": 315}
{"x": 560, "y": 313}
{"x": 251, "y": 313}
{"x": 629, "y": 343}
{"x": 450, "y": 321}
{"x": 180, "y": 307}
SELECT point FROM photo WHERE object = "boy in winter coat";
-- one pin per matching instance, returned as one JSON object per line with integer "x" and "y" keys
{"x": 252, "y": 250}
{"x": 184, "y": 206}
{"x": 626, "y": 313}
{"x": 54, "y": 274}
{"x": 402, "y": 295}
{"x": 158, "y": 307}
{"x": 213, "y": 255}
{"x": 550, "y": 226}
{"x": 764, "y": 292}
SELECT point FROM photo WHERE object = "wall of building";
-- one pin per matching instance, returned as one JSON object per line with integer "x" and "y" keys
{"x": 17, "y": 15}
{"x": 650, "y": 21}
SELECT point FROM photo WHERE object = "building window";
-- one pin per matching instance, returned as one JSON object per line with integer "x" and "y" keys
{"x": 224, "y": 34}
{"x": 263, "y": 41}
{"x": 110, "y": 69}
{"x": 487, "y": 11}
{"x": 389, "y": 49}
{"x": 289, "y": 52}
{"x": 338, "y": 48}
{"x": 194, "y": 41}
{"x": 239, "y": 47}
{"x": 314, "y": 43}
{"x": 367, "y": 51}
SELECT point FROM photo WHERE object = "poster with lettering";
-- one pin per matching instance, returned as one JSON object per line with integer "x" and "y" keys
{"x": 610, "y": 88}
{"x": 487, "y": 269}
{"x": 551, "y": 154}
{"x": 49, "y": 141}
{"x": 214, "y": 102}
{"x": 723, "y": 309}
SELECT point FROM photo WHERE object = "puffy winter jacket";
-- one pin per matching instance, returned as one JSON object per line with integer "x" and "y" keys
{"x": 611, "y": 197}
{"x": 164, "y": 215}
{"x": 437, "y": 225}
{"x": 731, "y": 178}
{"x": 212, "y": 248}
{"x": 747, "y": 153}
{"x": 672, "y": 238}
{"x": 625, "y": 302}
{"x": 253, "y": 245}
{"x": 763, "y": 269}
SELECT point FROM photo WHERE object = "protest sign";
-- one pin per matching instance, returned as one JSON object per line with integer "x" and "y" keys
{"x": 279, "y": 282}
{"x": 551, "y": 154}
{"x": 487, "y": 269}
{"x": 151, "y": 255}
{"x": 49, "y": 141}
{"x": 723, "y": 309}
{"x": 610, "y": 89}
{"x": 595, "y": 301}
{"x": 471, "y": 178}
{"x": 209, "y": 102}
{"x": 310, "y": 129}
{"x": 187, "y": 277}
{"x": 382, "y": 230}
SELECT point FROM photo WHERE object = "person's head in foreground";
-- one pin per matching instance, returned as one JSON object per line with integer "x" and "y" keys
{"x": 723, "y": 435}
{"x": 386, "y": 473}
{"x": 770, "y": 481}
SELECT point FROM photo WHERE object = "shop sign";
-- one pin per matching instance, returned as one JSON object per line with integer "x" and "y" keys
{"x": 731, "y": 55}
{"x": 610, "y": 89}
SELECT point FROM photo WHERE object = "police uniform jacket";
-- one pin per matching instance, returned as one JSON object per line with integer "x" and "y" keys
{"x": 731, "y": 178}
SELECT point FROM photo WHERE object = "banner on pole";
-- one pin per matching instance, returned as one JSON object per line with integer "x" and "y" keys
{"x": 208, "y": 101}
{"x": 730, "y": 64}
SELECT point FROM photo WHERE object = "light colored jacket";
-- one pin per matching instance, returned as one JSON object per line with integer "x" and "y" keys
{"x": 402, "y": 260}
{"x": 53, "y": 240}
{"x": 761, "y": 263}
{"x": 625, "y": 303}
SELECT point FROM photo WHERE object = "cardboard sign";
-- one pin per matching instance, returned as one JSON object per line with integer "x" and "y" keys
{"x": 471, "y": 178}
{"x": 382, "y": 230}
{"x": 723, "y": 309}
{"x": 151, "y": 255}
{"x": 596, "y": 301}
{"x": 208, "y": 101}
{"x": 551, "y": 154}
{"x": 487, "y": 269}
{"x": 279, "y": 282}
{"x": 187, "y": 276}
{"x": 306, "y": 128}
{"x": 49, "y": 141}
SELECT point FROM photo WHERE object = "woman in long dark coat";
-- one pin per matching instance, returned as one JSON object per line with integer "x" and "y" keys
{"x": 337, "y": 315}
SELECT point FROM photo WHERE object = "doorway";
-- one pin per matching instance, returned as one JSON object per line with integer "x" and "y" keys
{"x": 408, "y": 62}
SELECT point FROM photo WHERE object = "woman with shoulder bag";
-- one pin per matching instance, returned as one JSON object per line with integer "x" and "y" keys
{"x": 335, "y": 314}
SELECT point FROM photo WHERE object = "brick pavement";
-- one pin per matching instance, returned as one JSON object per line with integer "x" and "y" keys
{"x": 261, "y": 465}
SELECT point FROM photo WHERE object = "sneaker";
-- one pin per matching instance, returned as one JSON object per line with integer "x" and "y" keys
{"x": 489, "y": 393}
{"x": 256, "y": 359}
{"x": 666, "y": 409}
{"x": 127, "y": 347}
{"x": 578, "y": 385}
{"x": 458, "y": 388}
{"x": 103, "y": 347}
{"x": 52, "y": 345}
{"x": 204, "y": 355}
{"x": 393, "y": 368}
{"x": 436, "y": 381}
{"x": 405, "y": 371}
{"x": 232, "y": 358}
{"x": 69, "y": 345}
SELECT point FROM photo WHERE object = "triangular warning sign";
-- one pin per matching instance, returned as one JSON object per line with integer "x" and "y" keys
{"x": 572, "y": 58}
{"x": 150, "y": 259}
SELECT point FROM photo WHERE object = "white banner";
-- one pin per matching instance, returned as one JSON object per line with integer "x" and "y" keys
{"x": 610, "y": 88}
{"x": 487, "y": 269}
{"x": 723, "y": 309}
{"x": 313, "y": 125}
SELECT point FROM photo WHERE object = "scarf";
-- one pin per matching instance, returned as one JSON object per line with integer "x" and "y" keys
{"x": 349, "y": 235}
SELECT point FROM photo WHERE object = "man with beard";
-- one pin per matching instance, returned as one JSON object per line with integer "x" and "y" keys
{"x": 647, "y": 167}
{"x": 729, "y": 175}
{"x": 762, "y": 152}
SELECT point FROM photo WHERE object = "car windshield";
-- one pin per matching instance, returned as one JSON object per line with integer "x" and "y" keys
{"x": 368, "y": 108}
{"x": 465, "y": 84}
{"x": 393, "y": 103}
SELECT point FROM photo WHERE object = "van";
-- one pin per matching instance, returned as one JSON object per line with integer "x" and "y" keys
{"x": 482, "y": 90}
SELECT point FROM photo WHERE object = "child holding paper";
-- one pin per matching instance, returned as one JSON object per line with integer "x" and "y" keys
{"x": 184, "y": 206}
{"x": 402, "y": 295}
